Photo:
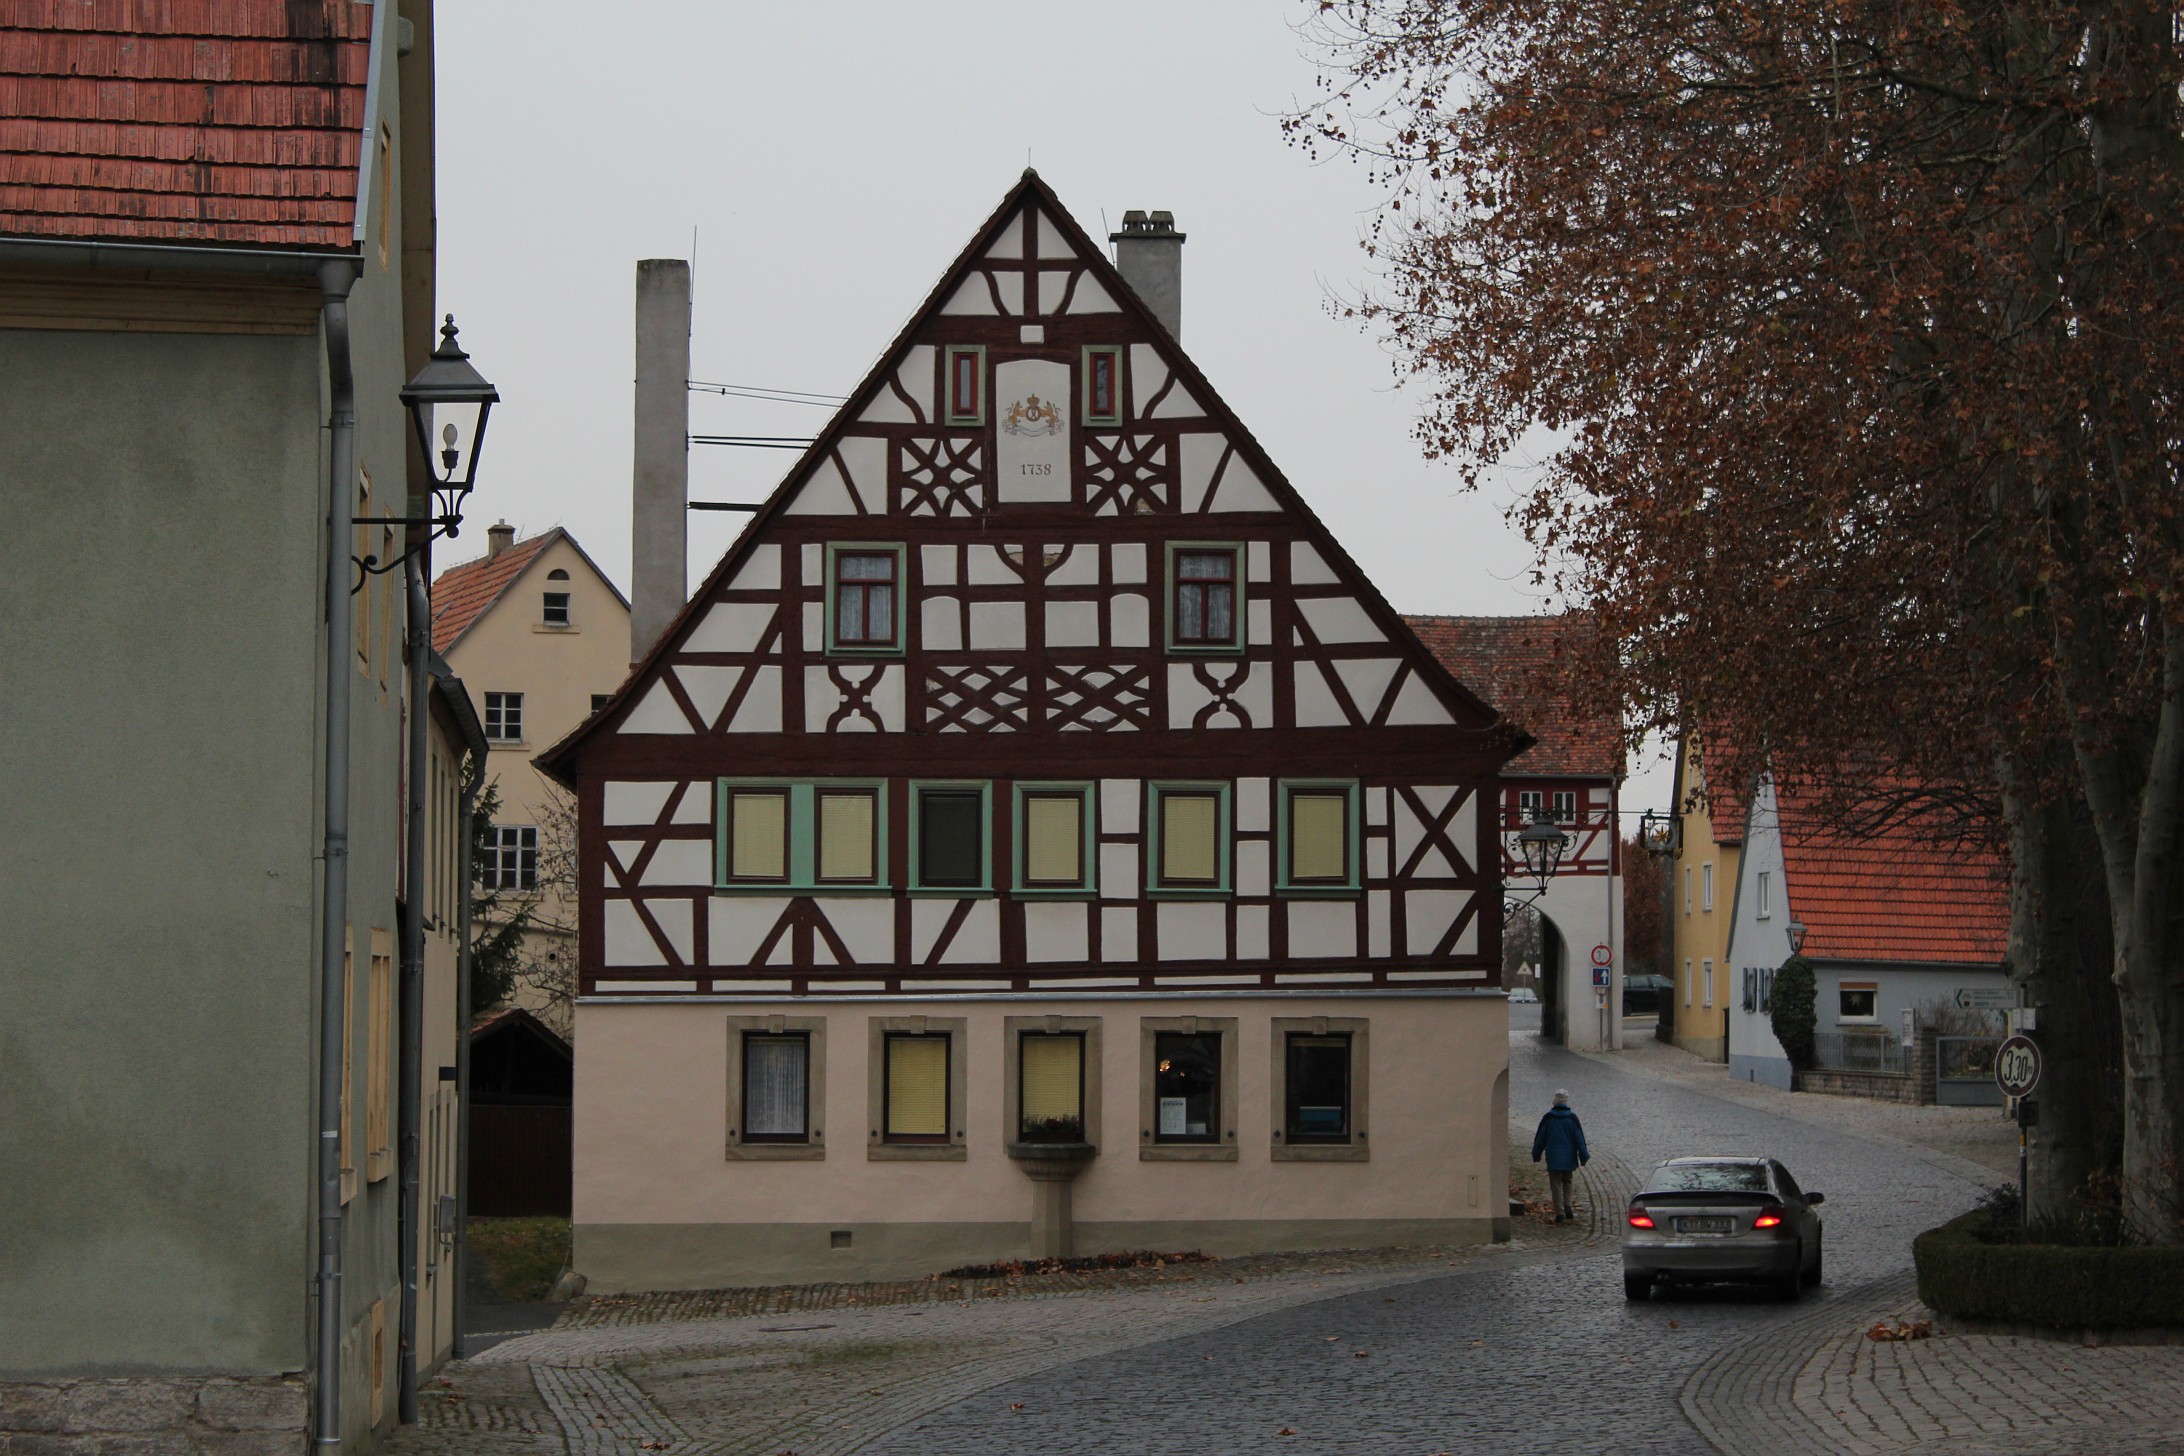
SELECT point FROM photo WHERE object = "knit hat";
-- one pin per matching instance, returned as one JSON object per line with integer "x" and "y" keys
{"x": 1562, "y": 1098}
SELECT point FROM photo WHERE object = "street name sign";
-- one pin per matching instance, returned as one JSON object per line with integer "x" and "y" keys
{"x": 2017, "y": 1066}
{"x": 1985, "y": 998}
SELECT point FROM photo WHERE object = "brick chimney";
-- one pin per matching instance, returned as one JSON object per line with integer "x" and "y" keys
{"x": 1149, "y": 255}
{"x": 660, "y": 483}
{"x": 498, "y": 538}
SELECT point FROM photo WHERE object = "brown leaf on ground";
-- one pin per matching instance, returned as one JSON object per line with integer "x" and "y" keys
{"x": 1901, "y": 1330}
{"x": 1286, "y": 1431}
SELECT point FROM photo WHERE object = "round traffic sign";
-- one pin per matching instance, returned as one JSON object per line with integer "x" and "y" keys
{"x": 2017, "y": 1066}
{"x": 1603, "y": 956}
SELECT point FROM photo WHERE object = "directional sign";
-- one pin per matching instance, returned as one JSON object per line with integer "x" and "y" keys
{"x": 1985, "y": 998}
{"x": 1600, "y": 976}
{"x": 1603, "y": 956}
{"x": 2017, "y": 1066}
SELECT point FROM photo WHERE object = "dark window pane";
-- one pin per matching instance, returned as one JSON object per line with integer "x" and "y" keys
{"x": 950, "y": 833}
{"x": 775, "y": 1087}
{"x": 1186, "y": 1087}
{"x": 1205, "y": 597}
{"x": 1319, "y": 1088}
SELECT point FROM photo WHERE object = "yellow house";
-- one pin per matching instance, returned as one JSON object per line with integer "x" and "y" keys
{"x": 541, "y": 637}
{"x": 1702, "y": 887}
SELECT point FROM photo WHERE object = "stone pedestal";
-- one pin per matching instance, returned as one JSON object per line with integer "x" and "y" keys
{"x": 1052, "y": 1168}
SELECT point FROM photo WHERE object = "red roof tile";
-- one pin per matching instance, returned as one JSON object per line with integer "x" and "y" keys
{"x": 461, "y": 594}
{"x": 1513, "y": 663}
{"x": 1724, "y": 801}
{"x": 1904, "y": 893}
{"x": 235, "y": 122}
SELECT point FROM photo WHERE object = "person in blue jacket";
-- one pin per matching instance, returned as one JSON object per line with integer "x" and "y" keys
{"x": 1561, "y": 1137}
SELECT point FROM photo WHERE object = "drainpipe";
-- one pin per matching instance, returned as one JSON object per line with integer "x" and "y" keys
{"x": 336, "y": 278}
{"x": 473, "y": 780}
{"x": 411, "y": 1063}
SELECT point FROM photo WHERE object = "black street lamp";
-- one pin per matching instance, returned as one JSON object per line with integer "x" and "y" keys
{"x": 448, "y": 402}
{"x": 1797, "y": 936}
{"x": 1542, "y": 846}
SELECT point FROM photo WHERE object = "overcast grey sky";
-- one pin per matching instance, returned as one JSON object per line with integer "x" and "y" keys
{"x": 831, "y": 159}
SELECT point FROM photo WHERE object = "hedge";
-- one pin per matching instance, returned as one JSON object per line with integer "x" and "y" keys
{"x": 2064, "y": 1286}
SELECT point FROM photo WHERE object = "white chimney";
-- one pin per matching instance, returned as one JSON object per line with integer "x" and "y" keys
{"x": 1149, "y": 255}
{"x": 660, "y": 481}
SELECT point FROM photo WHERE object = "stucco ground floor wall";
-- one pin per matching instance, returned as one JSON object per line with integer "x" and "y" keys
{"x": 663, "y": 1201}
{"x": 1586, "y": 911}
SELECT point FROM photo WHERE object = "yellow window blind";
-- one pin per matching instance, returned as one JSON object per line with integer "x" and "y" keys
{"x": 1188, "y": 825}
{"x": 1053, "y": 1071}
{"x": 845, "y": 836}
{"x": 1054, "y": 840}
{"x": 759, "y": 845}
{"x": 917, "y": 1086}
{"x": 1319, "y": 847}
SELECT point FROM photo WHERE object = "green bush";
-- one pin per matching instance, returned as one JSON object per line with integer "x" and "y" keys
{"x": 1791, "y": 1010}
{"x": 2067, "y": 1287}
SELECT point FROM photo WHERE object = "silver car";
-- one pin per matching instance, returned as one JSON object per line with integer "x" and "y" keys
{"x": 1720, "y": 1219}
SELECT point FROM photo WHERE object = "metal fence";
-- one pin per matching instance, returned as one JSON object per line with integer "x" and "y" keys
{"x": 1850, "y": 1051}
{"x": 1964, "y": 1071}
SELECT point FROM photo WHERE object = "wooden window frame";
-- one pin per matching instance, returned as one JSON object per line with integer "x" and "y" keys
{"x": 1013, "y": 1030}
{"x": 949, "y": 401}
{"x": 914, "y": 875}
{"x": 802, "y": 860}
{"x": 814, "y": 1146}
{"x": 1113, "y": 353}
{"x": 879, "y": 1028}
{"x": 1353, "y": 841}
{"x": 1867, "y": 988}
{"x": 1087, "y": 794}
{"x": 1157, "y": 791}
{"x": 1358, "y": 1148}
{"x": 1559, "y": 800}
{"x": 1239, "y": 592}
{"x": 1222, "y": 1147}
{"x": 501, "y": 851}
{"x": 379, "y": 1052}
{"x": 837, "y": 549}
{"x": 498, "y": 713}
{"x": 549, "y": 602}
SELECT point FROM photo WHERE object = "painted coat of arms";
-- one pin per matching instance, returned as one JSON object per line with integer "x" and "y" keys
{"x": 1032, "y": 415}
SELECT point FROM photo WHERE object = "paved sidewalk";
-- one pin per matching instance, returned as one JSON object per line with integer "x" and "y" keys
{"x": 1819, "y": 1385}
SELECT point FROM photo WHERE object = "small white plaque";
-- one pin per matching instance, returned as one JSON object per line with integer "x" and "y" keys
{"x": 1173, "y": 1119}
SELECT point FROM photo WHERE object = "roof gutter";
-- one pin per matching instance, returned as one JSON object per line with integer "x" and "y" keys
{"x": 172, "y": 257}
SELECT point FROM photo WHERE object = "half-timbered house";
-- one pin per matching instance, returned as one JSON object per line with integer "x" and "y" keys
{"x": 1035, "y": 833}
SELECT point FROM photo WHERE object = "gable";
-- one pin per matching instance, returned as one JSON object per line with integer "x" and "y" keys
{"x": 1036, "y": 448}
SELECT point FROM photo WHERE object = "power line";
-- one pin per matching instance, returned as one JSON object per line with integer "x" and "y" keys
{"x": 767, "y": 393}
{"x": 755, "y": 442}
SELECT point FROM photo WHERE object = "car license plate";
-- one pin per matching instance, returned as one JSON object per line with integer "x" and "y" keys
{"x": 1704, "y": 1225}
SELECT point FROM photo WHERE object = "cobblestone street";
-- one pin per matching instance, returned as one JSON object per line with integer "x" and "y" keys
{"x": 1524, "y": 1348}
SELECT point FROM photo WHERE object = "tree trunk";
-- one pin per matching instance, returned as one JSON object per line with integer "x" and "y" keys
{"x": 2150, "y": 978}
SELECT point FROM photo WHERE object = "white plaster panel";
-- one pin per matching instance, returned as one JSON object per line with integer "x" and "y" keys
{"x": 815, "y": 564}
{"x": 696, "y": 804}
{"x": 1186, "y": 695}
{"x": 1316, "y": 706}
{"x": 634, "y": 803}
{"x": 1118, "y": 933}
{"x": 708, "y": 689}
{"x": 656, "y": 712}
{"x": 760, "y": 710}
{"x": 1254, "y": 804}
{"x": 1259, "y": 559}
{"x": 978, "y": 941}
{"x": 1416, "y": 704}
{"x": 1241, "y": 489}
{"x": 629, "y": 943}
{"x": 1051, "y": 242}
{"x": 1119, "y": 806}
{"x": 815, "y": 628}
{"x": 1129, "y": 561}
{"x": 937, "y": 564}
{"x": 730, "y": 627}
{"x": 1010, "y": 244}
{"x": 887, "y": 696}
{"x": 1031, "y": 334}
{"x": 997, "y": 626}
{"x": 1427, "y": 915}
{"x": 1119, "y": 868}
{"x": 915, "y": 375}
{"x": 824, "y": 493}
{"x": 1377, "y": 855}
{"x": 1178, "y": 404}
{"x": 990, "y": 568}
{"x": 1376, "y": 806}
{"x": 1463, "y": 827}
{"x": 737, "y": 925}
{"x": 1339, "y": 619}
{"x": 1322, "y": 928}
{"x": 1079, "y": 566}
{"x": 1130, "y": 619}
{"x": 1091, "y": 297}
{"x": 1255, "y": 694}
{"x": 1073, "y": 624}
{"x": 1057, "y": 931}
{"x": 783, "y": 953}
{"x": 971, "y": 297}
{"x": 1307, "y": 567}
{"x": 1367, "y": 678}
{"x": 940, "y": 624}
{"x": 1377, "y": 927}
{"x": 1031, "y": 455}
{"x": 1251, "y": 935}
{"x": 1011, "y": 288}
{"x": 866, "y": 926}
{"x": 865, "y": 458}
{"x": 1253, "y": 861}
{"x": 1148, "y": 371}
{"x": 1200, "y": 455}
{"x": 927, "y": 919}
{"x": 1053, "y": 286}
{"x": 679, "y": 862}
{"x": 760, "y": 571}
{"x": 624, "y": 853}
{"x": 1193, "y": 931}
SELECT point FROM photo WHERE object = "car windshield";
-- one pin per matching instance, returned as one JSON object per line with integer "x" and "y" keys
{"x": 1709, "y": 1178}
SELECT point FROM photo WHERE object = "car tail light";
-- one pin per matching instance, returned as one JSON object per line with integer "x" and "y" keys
{"x": 1639, "y": 1218}
{"x": 1769, "y": 1217}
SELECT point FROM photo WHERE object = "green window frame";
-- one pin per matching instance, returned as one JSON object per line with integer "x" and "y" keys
{"x": 919, "y": 788}
{"x": 837, "y": 549}
{"x": 1287, "y": 791}
{"x": 1239, "y": 634}
{"x": 1158, "y": 884}
{"x": 1087, "y": 886}
{"x": 951, "y": 359}
{"x": 805, "y": 816}
{"x": 1093, "y": 415}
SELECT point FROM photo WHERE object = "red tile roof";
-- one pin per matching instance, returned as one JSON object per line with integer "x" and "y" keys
{"x": 1724, "y": 801}
{"x": 1514, "y": 663}
{"x": 236, "y": 122}
{"x": 1907, "y": 892}
{"x": 461, "y": 594}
